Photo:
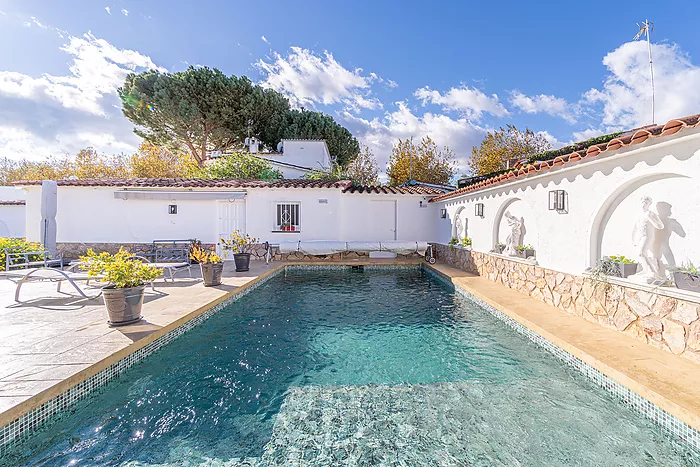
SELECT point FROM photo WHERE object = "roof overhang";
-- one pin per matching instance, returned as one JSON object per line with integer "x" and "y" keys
{"x": 179, "y": 195}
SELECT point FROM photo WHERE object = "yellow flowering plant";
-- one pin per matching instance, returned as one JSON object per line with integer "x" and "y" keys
{"x": 203, "y": 256}
{"x": 121, "y": 270}
{"x": 237, "y": 242}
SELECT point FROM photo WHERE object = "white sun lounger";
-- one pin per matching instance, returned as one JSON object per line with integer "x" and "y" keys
{"x": 48, "y": 275}
{"x": 171, "y": 268}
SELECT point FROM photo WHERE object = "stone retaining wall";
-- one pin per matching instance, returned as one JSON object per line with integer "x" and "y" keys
{"x": 665, "y": 322}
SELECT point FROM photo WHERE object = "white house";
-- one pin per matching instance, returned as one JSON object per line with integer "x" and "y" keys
{"x": 103, "y": 212}
{"x": 294, "y": 157}
{"x": 12, "y": 212}
{"x": 601, "y": 188}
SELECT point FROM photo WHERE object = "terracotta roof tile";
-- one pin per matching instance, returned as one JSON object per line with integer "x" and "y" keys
{"x": 636, "y": 136}
{"x": 196, "y": 183}
{"x": 396, "y": 190}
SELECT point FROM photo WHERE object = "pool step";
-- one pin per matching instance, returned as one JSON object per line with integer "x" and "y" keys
{"x": 476, "y": 423}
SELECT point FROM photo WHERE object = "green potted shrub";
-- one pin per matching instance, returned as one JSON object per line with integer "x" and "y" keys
{"x": 525, "y": 251}
{"x": 466, "y": 242}
{"x": 194, "y": 243}
{"x": 238, "y": 243}
{"x": 687, "y": 277}
{"x": 453, "y": 242}
{"x": 210, "y": 263}
{"x": 499, "y": 248}
{"x": 625, "y": 266}
{"x": 126, "y": 278}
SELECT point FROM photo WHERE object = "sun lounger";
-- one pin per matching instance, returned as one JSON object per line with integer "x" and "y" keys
{"x": 48, "y": 275}
{"x": 171, "y": 268}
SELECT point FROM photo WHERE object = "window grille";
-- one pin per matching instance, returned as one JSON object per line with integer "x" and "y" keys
{"x": 287, "y": 217}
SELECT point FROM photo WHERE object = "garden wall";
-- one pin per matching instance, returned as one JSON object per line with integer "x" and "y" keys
{"x": 654, "y": 317}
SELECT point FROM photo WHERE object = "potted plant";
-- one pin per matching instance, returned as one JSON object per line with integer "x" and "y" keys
{"x": 285, "y": 227}
{"x": 194, "y": 242}
{"x": 499, "y": 247}
{"x": 238, "y": 243}
{"x": 211, "y": 265}
{"x": 126, "y": 277}
{"x": 466, "y": 242}
{"x": 625, "y": 266}
{"x": 525, "y": 251}
{"x": 687, "y": 277}
{"x": 453, "y": 241}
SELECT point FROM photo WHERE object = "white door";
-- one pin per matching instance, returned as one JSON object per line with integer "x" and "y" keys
{"x": 381, "y": 226}
{"x": 231, "y": 217}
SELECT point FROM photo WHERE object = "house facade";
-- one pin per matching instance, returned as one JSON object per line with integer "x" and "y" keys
{"x": 107, "y": 212}
{"x": 294, "y": 158}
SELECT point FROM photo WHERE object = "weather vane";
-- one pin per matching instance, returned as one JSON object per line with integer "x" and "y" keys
{"x": 645, "y": 28}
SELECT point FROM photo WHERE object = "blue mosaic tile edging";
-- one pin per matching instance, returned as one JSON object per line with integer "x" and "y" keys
{"x": 352, "y": 267}
{"x": 648, "y": 409}
{"x": 14, "y": 432}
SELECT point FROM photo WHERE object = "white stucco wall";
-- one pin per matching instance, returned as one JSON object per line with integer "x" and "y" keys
{"x": 93, "y": 215}
{"x": 303, "y": 153}
{"x": 603, "y": 204}
{"x": 12, "y": 217}
{"x": 12, "y": 221}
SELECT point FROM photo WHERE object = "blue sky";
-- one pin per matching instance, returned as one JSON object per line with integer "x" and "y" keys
{"x": 384, "y": 69}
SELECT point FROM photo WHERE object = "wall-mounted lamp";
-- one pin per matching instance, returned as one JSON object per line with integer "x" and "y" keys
{"x": 479, "y": 209}
{"x": 443, "y": 213}
{"x": 558, "y": 201}
{"x": 172, "y": 209}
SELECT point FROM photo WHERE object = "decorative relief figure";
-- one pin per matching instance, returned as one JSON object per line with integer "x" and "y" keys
{"x": 459, "y": 225}
{"x": 652, "y": 233}
{"x": 663, "y": 236}
{"x": 517, "y": 231}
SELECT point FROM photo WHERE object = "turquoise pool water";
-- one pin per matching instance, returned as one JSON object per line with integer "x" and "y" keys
{"x": 352, "y": 368}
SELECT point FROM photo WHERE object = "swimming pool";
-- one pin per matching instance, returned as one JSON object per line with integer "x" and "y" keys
{"x": 351, "y": 367}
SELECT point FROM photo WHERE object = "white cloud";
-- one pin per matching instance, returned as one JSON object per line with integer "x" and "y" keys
{"x": 125, "y": 12}
{"x": 310, "y": 79}
{"x": 63, "y": 114}
{"x": 544, "y": 103}
{"x": 108, "y": 10}
{"x": 264, "y": 39}
{"x": 587, "y": 134}
{"x": 380, "y": 134}
{"x": 2, "y": 13}
{"x": 470, "y": 101}
{"x": 626, "y": 94}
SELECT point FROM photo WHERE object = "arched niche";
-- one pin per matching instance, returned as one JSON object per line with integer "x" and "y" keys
{"x": 613, "y": 227}
{"x": 518, "y": 208}
{"x": 460, "y": 224}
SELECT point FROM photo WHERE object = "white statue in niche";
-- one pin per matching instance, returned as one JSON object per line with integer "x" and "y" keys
{"x": 459, "y": 226}
{"x": 517, "y": 231}
{"x": 652, "y": 232}
{"x": 663, "y": 236}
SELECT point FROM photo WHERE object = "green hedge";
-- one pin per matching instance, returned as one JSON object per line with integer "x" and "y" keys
{"x": 18, "y": 245}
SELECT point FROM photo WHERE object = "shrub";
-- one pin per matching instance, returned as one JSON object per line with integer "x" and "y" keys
{"x": 466, "y": 241}
{"x": 621, "y": 259}
{"x": 121, "y": 269}
{"x": 18, "y": 245}
{"x": 203, "y": 256}
{"x": 237, "y": 242}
